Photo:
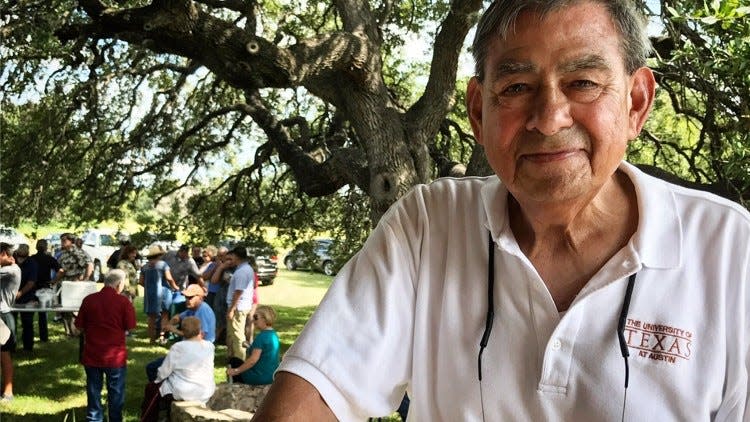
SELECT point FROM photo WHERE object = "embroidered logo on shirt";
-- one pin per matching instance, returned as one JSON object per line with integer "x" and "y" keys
{"x": 659, "y": 342}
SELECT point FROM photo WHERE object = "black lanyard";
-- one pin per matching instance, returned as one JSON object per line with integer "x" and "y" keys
{"x": 491, "y": 316}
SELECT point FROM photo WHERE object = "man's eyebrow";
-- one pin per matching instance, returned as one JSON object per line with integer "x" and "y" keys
{"x": 588, "y": 62}
{"x": 510, "y": 67}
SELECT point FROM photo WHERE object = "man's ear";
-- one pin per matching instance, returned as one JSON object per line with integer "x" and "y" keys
{"x": 642, "y": 92}
{"x": 474, "y": 107}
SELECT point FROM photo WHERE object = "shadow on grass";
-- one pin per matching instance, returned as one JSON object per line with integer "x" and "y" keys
{"x": 289, "y": 322}
{"x": 50, "y": 383}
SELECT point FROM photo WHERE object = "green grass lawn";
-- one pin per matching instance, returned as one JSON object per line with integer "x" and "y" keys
{"x": 49, "y": 384}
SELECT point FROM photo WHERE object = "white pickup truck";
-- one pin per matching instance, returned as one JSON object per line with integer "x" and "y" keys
{"x": 99, "y": 244}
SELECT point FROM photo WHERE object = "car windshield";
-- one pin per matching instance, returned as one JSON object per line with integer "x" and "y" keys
{"x": 107, "y": 240}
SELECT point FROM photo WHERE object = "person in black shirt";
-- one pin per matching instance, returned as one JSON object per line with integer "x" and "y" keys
{"x": 47, "y": 266}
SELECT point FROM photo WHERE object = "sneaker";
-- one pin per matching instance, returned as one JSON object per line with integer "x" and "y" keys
{"x": 6, "y": 399}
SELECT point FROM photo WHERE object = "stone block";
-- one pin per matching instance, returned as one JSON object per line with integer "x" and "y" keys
{"x": 230, "y": 402}
{"x": 238, "y": 396}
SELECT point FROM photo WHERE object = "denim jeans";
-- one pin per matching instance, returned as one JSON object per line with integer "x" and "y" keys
{"x": 115, "y": 393}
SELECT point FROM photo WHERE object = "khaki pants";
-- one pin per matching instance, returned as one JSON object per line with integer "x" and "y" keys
{"x": 236, "y": 335}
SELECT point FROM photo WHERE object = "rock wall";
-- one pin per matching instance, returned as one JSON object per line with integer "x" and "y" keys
{"x": 230, "y": 402}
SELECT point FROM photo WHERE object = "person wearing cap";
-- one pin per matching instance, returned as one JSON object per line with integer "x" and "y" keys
{"x": 186, "y": 373}
{"x": 196, "y": 307}
{"x": 10, "y": 280}
{"x": 103, "y": 320}
{"x": 158, "y": 285}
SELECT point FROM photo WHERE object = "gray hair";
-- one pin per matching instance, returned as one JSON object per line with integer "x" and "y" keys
{"x": 115, "y": 278}
{"x": 499, "y": 20}
{"x": 22, "y": 250}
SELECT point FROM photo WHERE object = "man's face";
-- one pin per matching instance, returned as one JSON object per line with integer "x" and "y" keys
{"x": 6, "y": 259}
{"x": 196, "y": 252}
{"x": 555, "y": 111}
{"x": 193, "y": 302}
{"x": 230, "y": 260}
{"x": 183, "y": 254}
{"x": 66, "y": 243}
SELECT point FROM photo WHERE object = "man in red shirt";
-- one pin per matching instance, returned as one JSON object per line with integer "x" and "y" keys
{"x": 103, "y": 319}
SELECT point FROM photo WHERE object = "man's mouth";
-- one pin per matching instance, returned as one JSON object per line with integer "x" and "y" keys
{"x": 548, "y": 157}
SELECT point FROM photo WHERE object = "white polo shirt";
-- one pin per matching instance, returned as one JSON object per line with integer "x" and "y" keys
{"x": 408, "y": 312}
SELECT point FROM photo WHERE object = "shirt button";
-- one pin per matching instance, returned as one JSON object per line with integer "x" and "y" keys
{"x": 556, "y": 344}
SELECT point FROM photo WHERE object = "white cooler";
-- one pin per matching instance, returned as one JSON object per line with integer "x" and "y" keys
{"x": 73, "y": 292}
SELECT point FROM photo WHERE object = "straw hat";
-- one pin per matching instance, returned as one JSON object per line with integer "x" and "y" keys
{"x": 154, "y": 251}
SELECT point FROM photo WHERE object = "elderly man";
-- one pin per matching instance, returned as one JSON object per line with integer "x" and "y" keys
{"x": 103, "y": 319}
{"x": 568, "y": 287}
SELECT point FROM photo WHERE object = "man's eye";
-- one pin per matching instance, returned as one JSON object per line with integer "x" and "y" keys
{"x": 515, "y": 89}
{"x": 584, "y": 84}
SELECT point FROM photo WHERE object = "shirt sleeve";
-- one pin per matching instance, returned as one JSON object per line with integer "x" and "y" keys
{"x": 357, "y": 347}
{"x": 167, "y": 366}
{"x": 194, "y": 268}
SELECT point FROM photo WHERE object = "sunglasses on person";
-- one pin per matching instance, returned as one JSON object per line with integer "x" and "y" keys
{"x": 256, "y": 317}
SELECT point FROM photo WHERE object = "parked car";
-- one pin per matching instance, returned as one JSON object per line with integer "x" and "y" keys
{"x": 14, "y": 237}
{"x": 99, "y": 244}
{"x": 267, "y": 262}
{"x": 312, "y": 255}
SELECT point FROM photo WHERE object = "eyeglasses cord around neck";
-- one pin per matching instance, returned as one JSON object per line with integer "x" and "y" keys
{"x": 490, "y": 317}
{"x": 490, "y": 314}
{"x": 621, "y": 336}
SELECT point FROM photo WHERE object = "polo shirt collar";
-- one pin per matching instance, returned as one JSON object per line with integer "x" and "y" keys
{"x": 657, "y": 241}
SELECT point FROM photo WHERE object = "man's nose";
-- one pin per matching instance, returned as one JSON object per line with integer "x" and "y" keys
{"x": 549, "y": 112}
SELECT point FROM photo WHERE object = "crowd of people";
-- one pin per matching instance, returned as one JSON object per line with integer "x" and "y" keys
{"x": 194, "y": 298}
